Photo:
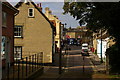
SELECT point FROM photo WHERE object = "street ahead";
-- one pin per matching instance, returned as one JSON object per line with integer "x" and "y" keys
{"x": 75, "y": 66}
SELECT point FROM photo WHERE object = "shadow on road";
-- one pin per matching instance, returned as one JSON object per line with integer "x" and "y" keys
{"x": 74, "y": 67}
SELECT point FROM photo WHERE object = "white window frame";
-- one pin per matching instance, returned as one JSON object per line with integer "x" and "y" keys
{"x": 3, "y": 47}
{"x": 32, "y": 12}
{"x": 19, "y": 31}
{"x": 5, "y": 19}
{"x": 19, "y": 52}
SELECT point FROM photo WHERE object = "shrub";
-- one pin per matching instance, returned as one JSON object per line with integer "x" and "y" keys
{"x": 114, "y": 59}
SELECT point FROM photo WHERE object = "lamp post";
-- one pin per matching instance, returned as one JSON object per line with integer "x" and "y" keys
{"x": 60, "y": 54}
{"x": 101, "y": 47}
{"x": 65, "y": 38}
{"x": 65, "y": 31}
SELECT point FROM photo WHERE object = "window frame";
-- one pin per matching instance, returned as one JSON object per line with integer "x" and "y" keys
{"x": 3, "y": 47}
{"x": 4, "y": 25}
{"x": 16, "y": 47}
{"x": 18, "y": 32}
{"x": 32, "y": 13}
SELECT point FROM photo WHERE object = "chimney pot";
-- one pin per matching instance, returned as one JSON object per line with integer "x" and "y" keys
{"x": 39, "y": 6}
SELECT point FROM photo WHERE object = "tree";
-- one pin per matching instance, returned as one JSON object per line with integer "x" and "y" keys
{"x": 102, "y": 15}
{"x": 78, "y": 27}
{"x": 96, "y": 15}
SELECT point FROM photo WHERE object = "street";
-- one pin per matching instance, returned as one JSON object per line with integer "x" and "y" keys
{"x": 59, "y": 41}
{"x": 75, "y": 66}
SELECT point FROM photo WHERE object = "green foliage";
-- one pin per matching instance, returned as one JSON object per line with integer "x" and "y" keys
{"x": 114, "y": 61}
{"x": 115, "y": 77}
{"x": 95, "y": 52}
{"x": 96, "y": 15}
{"x": 78, "y": 27}
{"x": 102, "y": 15}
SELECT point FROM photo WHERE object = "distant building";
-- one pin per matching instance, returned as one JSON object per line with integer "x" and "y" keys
{"x": 101, "y": 41}
{"x": 33, "y": 32}
{"x": 7, "y": 44}
{"x": 56, "y": 23}
{"x": 78, "y": 33}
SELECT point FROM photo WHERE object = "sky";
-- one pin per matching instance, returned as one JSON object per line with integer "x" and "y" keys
{"x": 56, "y": 8}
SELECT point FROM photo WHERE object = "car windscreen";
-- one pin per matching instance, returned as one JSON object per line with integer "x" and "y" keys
{"x": 84, "y": 46}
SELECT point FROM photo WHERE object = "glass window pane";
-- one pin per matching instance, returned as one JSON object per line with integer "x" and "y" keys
{"x": 18, "y": 52}
{"x": 31, "y": 13}
{"x": 4, "y": 19}
{"x": 3, "y": 46}
{"x": 30, "y": 10}
{"x": 18, "y": 31}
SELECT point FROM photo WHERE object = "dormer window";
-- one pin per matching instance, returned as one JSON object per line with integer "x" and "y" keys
{"x": 31, "y": 12}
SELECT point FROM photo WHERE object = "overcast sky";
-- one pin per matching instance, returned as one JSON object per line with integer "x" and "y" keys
{"x": 57, "y": 10}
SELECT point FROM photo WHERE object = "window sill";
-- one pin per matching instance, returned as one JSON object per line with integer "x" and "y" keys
{"x": 4, "y": 26}
{"x": 31, "y": 16}
{"x": 17, "y": 37}
{"x": 17, "y": 58}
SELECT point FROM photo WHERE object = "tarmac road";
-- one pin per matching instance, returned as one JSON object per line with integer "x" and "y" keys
{"x": 76, "y": 67}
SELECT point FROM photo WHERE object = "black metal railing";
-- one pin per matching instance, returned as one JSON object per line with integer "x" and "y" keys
{"x": 23, "y": 68}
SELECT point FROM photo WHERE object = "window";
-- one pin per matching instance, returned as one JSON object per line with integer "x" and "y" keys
{"x": 18, "y": 31}
{"x": 4, "y": 19}
{"x": 30, "y": 12}
{"x": 17, "y": 52}
{"x": 3, "y": 47}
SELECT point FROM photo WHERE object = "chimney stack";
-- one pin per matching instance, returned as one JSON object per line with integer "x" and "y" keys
{"x": 39, "y": 6}
{"x": 48, "y": 11}
{"x": 26, "y": 1}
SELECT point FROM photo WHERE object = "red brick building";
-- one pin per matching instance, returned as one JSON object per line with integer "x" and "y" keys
{"x": 7, "y": 44}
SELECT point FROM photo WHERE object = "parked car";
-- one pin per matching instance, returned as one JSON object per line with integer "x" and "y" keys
{"x": 85, "y": 49}
{"x": 72, "y": 41}
{"x": 79, "y": 41}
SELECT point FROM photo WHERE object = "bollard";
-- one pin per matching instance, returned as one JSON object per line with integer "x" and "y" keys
{"x": 29, "y": 64}
{"x": 26, "y": 66}
{"x": 32, "y": 62}
{"x": 60, "y": 63}
{"x": 83, "y": 64}
{"x": 42, "y": 58}
{"x": 18, "y": 69}
{"x": 35, "y": 62}
{"x": 39, "y": 59}
{"x": 22, "y": 68}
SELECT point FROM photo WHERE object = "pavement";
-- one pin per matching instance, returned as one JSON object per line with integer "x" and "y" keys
{"x": 75, "y": 67}
{"x": 98, "y": 66}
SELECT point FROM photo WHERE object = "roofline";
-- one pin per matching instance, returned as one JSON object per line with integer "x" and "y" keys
{"x": 21, "y": 2}
{"x": 10, "y": 7}
{"x": 43, "y": 14}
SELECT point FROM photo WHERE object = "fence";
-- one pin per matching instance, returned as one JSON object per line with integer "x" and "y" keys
{"x": 23, "y": 68}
